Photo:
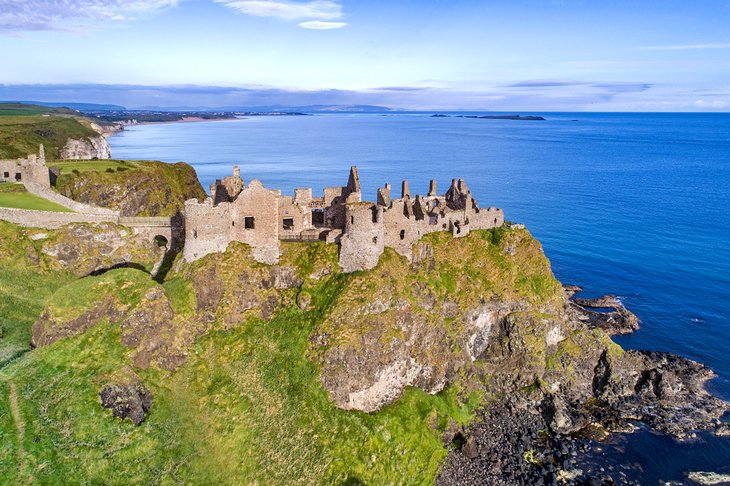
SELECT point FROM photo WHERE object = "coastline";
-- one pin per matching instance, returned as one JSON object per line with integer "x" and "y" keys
{"x": 681, "y": 324}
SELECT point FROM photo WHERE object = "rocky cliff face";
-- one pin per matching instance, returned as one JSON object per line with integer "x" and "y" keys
{"x": 86, "y": 149}
{"x": 481, "y": 316}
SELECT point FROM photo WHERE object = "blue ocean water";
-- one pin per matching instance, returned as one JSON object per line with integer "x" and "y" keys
{"x": 632, "y": 204}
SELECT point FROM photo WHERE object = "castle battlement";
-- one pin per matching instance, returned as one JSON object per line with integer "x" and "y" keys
{"x": 262, "y": 217}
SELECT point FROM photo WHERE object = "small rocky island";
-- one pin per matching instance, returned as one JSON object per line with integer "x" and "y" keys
{"x": 315, "y": 339}
{"x": 493, "y": 117}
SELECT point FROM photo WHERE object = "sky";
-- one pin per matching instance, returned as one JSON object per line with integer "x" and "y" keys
{"x": 500, "y": 55}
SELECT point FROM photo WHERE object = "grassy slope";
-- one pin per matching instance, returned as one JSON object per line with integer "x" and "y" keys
{"x": 15, "y": 196}
{"x": 247, "y": 407}
{"x": 143, "y": 188}
{"x": 25, "y": 286}
{"x": 22, "y": 109}
{"x": 20, "y": 134}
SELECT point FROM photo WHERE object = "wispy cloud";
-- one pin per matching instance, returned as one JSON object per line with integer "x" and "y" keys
{"x": 74, "y": 15}
{"x": 544, "y": 83}
{"x": 321, "y": 25}
{"x": 617, "y": 88}
{"x": 404, "y": 89}
{"x": 30, "y": 15}
{"x": 685, "y": 47}
{"x": 316, "y": 14}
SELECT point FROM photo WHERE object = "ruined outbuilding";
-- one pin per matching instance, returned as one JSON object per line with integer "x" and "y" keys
{"x": 263, "y": 217}
{"x": 29, "y": 170}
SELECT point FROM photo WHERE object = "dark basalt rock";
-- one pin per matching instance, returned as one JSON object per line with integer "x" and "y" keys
{"x": 46, "y": 331}
{"x": 131, "y": 401}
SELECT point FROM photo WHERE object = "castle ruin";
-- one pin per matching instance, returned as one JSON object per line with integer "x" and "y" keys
{"x": 30, "y": 170}
{"x": 263, "y": 217}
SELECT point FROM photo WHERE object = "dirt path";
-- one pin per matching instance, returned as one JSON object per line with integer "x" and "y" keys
{"x": 20, "y": 426}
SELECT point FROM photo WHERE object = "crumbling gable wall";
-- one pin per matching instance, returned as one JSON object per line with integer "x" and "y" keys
{"x": 255, "y": 221}
{"x": 363, "y": 239}
{"x": 207, "y": 228}
{"x": 406, "y": 219}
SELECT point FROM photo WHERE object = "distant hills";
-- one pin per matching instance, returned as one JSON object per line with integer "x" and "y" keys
{"x": 77, "y": 106}
{"x": 280, "y": 108}
{"x": 96, "y": 108}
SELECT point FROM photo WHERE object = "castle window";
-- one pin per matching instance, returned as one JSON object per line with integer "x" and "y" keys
{"x": 317, "y": 216}
{"x": 375, "y": 240}
{"x": 195, "y": 233}
{"x": 495, "y": 220}
{"x": 248, "y": 222}
{"x": 352, "y": 219}
{"x": 233, "y": 223}
{"x": 6, "y": 175}
{"x": 433, "y": 219}
{"x": 288, "y": 223}
{"x": 402, "y": 234}
{"x": 18, "y": 176}
{"x": 375, "y": 215}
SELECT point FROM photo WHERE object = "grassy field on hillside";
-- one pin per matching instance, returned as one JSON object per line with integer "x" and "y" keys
{"x": 23, "y": 109}
{"x": 24, "y": 127}
{"x": 15, "y": 196}
{"x": 24, "y": 289}
{"x": 69, "y": 166}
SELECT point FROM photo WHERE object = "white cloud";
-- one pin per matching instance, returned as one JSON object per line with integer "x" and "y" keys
{"x": 317, "y": 9}
{"x": 322, "y": 25}
{"x": 712, "y": 104}
{"x": 25, "y": 15}
{"x": 685, "y": 47}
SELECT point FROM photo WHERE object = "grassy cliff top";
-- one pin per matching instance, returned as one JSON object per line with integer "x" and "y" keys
{"x": 24, "y": 127}
{"x": 135, "y": 187}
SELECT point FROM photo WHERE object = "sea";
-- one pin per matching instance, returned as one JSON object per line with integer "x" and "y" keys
{"x": 632, "y": 204}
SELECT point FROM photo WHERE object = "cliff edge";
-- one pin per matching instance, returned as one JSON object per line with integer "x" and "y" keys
{"x": 408, "y": 370}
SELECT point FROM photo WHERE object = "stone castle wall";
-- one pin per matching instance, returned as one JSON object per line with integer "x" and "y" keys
{"x": 255, "y": 221}
{"x": 261, "y": 218}
{"x": 206, "y": 228}
{"x": 49, "y": 219}
{"x": 363, "y": 240}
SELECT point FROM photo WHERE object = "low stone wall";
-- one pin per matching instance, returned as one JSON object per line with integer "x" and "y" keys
{"x": 50, "y": 219}
{"x": 48, "y": 193}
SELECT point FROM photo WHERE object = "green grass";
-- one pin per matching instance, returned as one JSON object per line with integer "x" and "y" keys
{"x": 247, "y": 407}
{"x": 21, "y": 135}
{"x": 25, "y": 286}
{"x": 22, "y": 109}
{"x": 23, "y": 294}
{"x": 68, "y": 166}
{"x": 154, "y": 188}
{"x": 15, "y": 196}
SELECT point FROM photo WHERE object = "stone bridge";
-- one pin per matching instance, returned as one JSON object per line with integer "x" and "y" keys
{"x": 163, "y": 230}
{"x": 171, "y": 229}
